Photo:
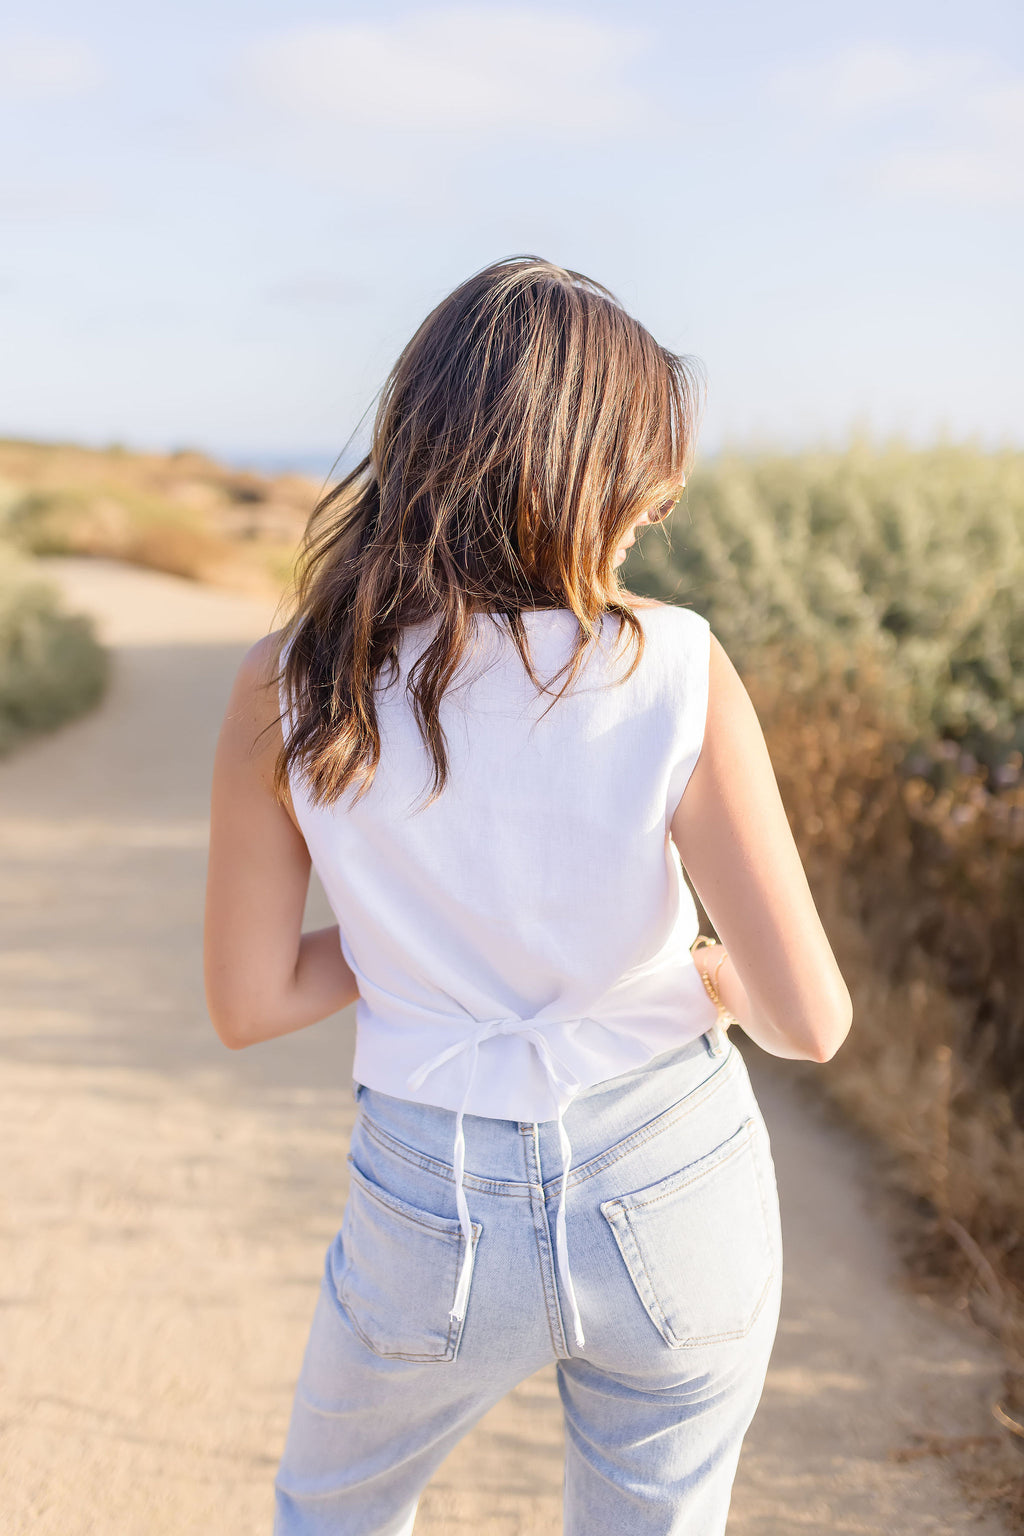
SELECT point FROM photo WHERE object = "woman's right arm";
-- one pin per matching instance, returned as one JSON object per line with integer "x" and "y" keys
{"x": 737, "y": 848}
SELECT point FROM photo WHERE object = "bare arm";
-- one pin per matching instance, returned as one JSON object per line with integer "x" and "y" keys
{"x": 264, "y": 976}
{"x": 781, "y": 979}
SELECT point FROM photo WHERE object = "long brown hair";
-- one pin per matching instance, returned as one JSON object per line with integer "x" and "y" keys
{"x": 522, "y": 432}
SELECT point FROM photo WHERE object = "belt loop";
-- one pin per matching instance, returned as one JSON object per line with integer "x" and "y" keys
{"x": 715, "y": 1039}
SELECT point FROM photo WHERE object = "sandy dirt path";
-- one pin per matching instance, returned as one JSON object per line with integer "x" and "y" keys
{"x": 167, "y": 1203}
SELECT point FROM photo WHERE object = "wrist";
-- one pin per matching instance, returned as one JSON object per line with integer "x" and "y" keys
{"x": 710, "y": 958}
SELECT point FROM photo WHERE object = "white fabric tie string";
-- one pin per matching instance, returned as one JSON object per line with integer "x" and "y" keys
{"x": 562, "y": 1083}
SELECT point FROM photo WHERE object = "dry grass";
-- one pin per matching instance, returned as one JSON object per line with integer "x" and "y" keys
{"x": 920, "y": 893}
{"x": 182, "y": 512}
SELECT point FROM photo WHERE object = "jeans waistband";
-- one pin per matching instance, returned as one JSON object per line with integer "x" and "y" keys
{"x": 598, "y": 1116}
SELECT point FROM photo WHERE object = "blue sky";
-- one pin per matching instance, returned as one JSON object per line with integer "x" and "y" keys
{"x": 223, "y": 221}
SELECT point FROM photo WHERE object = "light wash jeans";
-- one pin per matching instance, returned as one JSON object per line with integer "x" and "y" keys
{"x": 675, "y": 1241}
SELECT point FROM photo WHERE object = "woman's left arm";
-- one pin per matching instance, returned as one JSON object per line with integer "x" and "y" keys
{"x": 264, "y": 977}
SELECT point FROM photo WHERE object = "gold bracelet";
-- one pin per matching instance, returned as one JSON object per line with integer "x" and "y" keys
{"x": 725, "y": 1018}
{"x": 710, "y": 988}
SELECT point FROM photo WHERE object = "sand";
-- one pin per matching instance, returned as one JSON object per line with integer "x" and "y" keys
{"x": 166, "y": 1203}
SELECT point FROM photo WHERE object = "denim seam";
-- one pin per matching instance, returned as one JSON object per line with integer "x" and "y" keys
{"x": 445, "y": 1358}
{"x": 762, "y": 1190}
{"x": 616, "y": 1212}
{"x": 708, "y": 1166}
{"x": 447, "y": 1229}
{"x": 735, "y": 1333}
{"x": 444, "y": 1170}
{"x": 342, "y": 1292}
{"x": 660, "y": 1123}
{"x": 653, "y": 1305}
{"x": 545, "y": 1262}
{"x": 584, "y": 1171}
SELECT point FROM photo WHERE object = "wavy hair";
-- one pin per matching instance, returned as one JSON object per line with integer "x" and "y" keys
{"x": 525, "y": 428}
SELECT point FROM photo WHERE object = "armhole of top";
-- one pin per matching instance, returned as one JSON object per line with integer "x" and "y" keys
{"x": 692, "y": 668}
{"x": 295, "y": 785}
{"x": 287, "y": 714}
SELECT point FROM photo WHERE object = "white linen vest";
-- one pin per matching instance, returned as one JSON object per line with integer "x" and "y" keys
{"x": 527, "y": 935}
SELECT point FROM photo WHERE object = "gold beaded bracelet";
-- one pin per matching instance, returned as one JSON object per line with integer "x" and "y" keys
{"x": 725, "y": 1018}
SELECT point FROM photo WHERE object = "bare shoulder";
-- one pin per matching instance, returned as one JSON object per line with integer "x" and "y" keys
{"x": 726, "y": 689}
{"x": 734, "y": 754}
{"x": 252, "y": 729}
{"x": 645, "y": 602}
{"x": 255, "y": 695}
{"x": 677, "y": 613}
{"x": 734, "y": 741}
{"x": 733, "y": 757}
{"x": 261, "y": 661}
{"x": 732, "y": 791}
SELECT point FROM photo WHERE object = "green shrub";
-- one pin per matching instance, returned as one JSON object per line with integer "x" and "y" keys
{"x": 913, "y": 556}
{"x": 52, "y": 666}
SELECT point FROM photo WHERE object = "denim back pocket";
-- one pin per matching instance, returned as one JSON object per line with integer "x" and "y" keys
{"x": 698, "y": 1244}
{"x": 398, "y": 1273}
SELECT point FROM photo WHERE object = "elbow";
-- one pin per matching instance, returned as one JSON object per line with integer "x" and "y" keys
{"x": 234, "y": 1040}
{"x": 839, "y": 1024}
{"x": 231, "y": 1034}
{"x": 231, "y": 1028}
{"x": 230, "y": 1005}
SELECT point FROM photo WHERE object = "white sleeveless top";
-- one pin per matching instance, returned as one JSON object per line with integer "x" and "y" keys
{"x": 527, "y": 935}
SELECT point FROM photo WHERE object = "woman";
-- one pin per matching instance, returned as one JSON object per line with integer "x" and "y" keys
{"x": 557, "y": 1152}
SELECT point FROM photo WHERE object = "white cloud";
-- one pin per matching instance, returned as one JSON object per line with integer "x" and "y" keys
{"x": 965, "y": 177}
{"x": 34, "y": 67}
{"x": 1003, "y": 107}
{"x": 457, "y": 68}
{"x": 935, "y": 124}
{"x": 42, "y": 199}
{"x": 869, "y": 79}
